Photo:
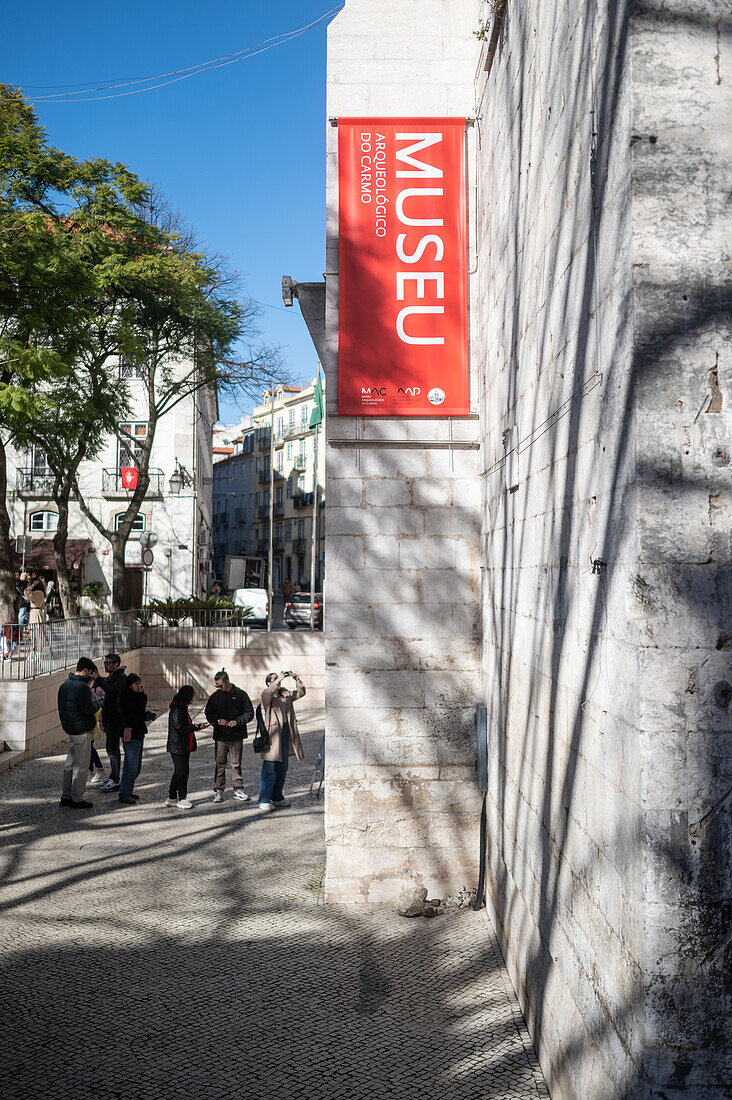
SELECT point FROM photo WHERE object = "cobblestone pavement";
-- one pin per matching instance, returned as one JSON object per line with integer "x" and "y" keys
{"x": 149, "y": 953}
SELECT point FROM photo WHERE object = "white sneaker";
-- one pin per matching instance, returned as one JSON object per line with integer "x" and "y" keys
{"x": 268, "y": 807}
{"x": 184, "y": 804}
{"x": 170, "y": 802}
{"x": 281, "y": 803}
{"x": 98, "y": 777}
{"x": 242, "y": 796}
{"x": 218, "y": 796}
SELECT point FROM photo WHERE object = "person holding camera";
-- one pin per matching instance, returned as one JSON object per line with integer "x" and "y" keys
{"x": 278, "y": 712}
{"x": 228, "y": 710}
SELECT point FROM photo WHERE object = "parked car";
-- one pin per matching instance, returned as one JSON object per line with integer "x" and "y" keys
{"x": 256, "y": 599}
{"x": 297, "y": 610}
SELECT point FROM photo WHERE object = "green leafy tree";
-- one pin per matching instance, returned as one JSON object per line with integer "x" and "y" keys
{"x": 94, "y": 267}
{"x": 46, "y": 287}
{"x": 182, "y": 327}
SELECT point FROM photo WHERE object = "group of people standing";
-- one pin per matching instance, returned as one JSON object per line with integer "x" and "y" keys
{"x": 115, "y": 706}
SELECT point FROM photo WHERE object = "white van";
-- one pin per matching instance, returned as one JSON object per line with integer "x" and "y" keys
{"x": 256, "y": 598}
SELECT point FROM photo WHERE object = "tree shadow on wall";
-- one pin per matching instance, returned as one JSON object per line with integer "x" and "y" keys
{"x": 562, "y": 609}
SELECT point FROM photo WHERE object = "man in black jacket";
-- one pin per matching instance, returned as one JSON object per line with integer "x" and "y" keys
{"x": 77, "y": 712}
{"x": 228, "y": 710}
{"x": 111, "y": 717}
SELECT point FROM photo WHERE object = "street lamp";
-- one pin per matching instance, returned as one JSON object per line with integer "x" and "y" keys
{"x": 179, "y": 478}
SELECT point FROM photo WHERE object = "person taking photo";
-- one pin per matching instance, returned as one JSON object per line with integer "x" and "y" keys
{"x": 278, "y": 712}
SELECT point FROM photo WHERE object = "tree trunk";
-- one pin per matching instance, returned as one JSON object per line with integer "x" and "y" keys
{"x": 118, "y": 571}
{"x": 68, "y": 603}
{"x": 8, "y": 593}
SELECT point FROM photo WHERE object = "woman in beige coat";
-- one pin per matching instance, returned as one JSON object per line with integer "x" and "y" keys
{"x": 278, "y": 712}
{"x": 35, "y": 594}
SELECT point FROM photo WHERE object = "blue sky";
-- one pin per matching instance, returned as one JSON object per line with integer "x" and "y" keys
{"x": 239, "y": 150}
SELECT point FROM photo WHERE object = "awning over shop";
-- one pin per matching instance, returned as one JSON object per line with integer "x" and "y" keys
{"x": 41, "y": 555}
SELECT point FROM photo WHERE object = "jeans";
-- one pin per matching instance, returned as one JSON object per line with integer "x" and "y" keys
{"x": 131, "y": 770}
{"x": 114, "y": 733}
{"x": 231, "y": 751}
{"x": 179, "y": 783}
{"x": 23, "y": 616}
{"x": 272, "y": 779}
{"x": 76, "y": 765}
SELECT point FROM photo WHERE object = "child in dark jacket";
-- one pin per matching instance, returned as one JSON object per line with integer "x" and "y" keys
{"x": 181, "y": 743}
{"x": 135, "y": 716}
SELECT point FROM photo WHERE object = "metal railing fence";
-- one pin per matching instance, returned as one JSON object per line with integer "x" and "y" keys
{"x": 29, "y": 651}
{"x": 205, "y": 629}
{"x": 35, "y": 650}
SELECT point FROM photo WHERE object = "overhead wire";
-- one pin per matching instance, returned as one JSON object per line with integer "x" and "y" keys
{"x": 161, "y": 80}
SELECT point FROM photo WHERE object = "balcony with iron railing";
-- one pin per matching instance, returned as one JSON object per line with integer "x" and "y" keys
{"x": 262, "y": 548}
{"x": 113, "y": 487}
{"x": 279, "y": 508}
{"x": 300, "y": 462}
{"x": 278, "y": 544}
{"x": 33, "y": 483}
{"x": 302, "y": 500}
{"x": 296, "y": 430}
{"x": 262, "y": 511}
{"x": 299, "y": 546}
{"x": 263, "y": 476}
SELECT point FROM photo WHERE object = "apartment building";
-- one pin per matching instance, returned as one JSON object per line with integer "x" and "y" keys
{"x": 234, "y": 487}
{"x": 176, "y": 509}
{"x": 298, "y": 486}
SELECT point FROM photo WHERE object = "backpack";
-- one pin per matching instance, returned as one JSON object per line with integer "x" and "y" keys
{"x": 261, "y": 742}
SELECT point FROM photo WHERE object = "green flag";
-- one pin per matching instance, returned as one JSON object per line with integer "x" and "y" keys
{"x": 316, "y": 416}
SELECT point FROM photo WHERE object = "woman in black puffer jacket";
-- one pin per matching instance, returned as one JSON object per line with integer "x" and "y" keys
{"x": 181, "y": 743}
{"x": 135, "y": 716}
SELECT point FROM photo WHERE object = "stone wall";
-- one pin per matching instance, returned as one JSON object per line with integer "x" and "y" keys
{"x": 681, "y": 58}
{"x": 598, "y": 523}
{"x": 401, "y": 590}
{"x": 606, "y": 590}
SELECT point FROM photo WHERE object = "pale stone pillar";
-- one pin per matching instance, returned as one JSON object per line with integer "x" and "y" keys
{"x": 402, "y": 544}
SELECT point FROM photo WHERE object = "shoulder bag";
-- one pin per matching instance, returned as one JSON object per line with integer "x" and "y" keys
{"x": 261, "y": 742}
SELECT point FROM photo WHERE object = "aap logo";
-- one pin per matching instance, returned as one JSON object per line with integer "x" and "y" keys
{"x": 409, "y": 391}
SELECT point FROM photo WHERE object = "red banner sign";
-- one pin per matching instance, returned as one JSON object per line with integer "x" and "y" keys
{"x": 128, "y": 477}
{"x": 403, "y": 316}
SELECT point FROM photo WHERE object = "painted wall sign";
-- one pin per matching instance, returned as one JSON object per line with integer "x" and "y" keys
{"x": 403, "y": 311}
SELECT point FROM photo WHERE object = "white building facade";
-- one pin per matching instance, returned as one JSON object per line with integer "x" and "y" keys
{"x": 176, "y": 509}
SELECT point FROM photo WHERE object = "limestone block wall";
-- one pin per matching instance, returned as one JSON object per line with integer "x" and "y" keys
{"x": 605, "y": 405}
{"x": 681, "y": 61}
{"x": 402, "y": 544}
